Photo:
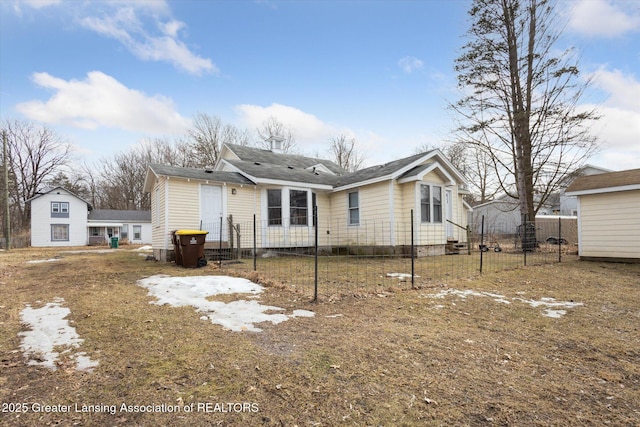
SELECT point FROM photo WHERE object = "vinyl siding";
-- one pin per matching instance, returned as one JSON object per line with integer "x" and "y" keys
{"x": 41, "y": 220}
{"x": 610, "y": 225}
{"x": 158, "y": 214}
{"x": 375, "y": 226}
{"x": 184, "y": 204}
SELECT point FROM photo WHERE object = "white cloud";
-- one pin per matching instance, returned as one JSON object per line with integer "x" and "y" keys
{"x": 125, "y": 25}
{"x": 409, "y": 64}
{"x": 102, "y": 101}
{"x": 39, "y": 4}
{"x": 604, "y": 17}
{"x": 618, "y": 129}
{"x": 307, "y": 128}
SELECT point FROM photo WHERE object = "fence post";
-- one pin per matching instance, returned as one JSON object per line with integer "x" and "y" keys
{"x": 220, "y": 246}
{"x": 255, "y": 246}
{"x": 482, "y": 242}
{"x": 315, "y": 233}
{"x": 525, "y": 237}
{"x": 559, "y": 239}
{"x": 413, "y": 259}
{"x": 231, "y": 240}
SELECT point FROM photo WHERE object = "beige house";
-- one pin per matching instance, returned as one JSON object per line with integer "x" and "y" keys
{"x": 608, "y": 215}
{"x": 370, "y": 207}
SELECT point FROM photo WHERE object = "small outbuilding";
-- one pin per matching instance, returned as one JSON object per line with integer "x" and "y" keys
{"x": 608, "y": 216}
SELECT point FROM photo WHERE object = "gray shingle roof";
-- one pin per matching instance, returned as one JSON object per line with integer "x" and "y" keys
{"x": 605, "y": 180}
{"x": 251, "y": 154}
{"x": 119, "y": 215}
{"x": 270, "y": 171}
{"x": 202, "y": 174}
{"x": 378, "y": 171}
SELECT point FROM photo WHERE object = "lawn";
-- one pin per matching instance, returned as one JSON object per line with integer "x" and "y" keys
{"x": 543, "y": 345}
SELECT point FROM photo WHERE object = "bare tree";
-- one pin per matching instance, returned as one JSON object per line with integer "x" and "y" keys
{"x": 208, "y": 134}
{"x": 475, "y": 164}
{"x": 521, "y": 104}
{"x": 272, "y": 127}
{"x": 345, "y": 153}
{"x": 35, "y": 154}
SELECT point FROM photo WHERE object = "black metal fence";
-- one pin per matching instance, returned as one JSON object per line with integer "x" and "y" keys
{"x": 329, "y": 257}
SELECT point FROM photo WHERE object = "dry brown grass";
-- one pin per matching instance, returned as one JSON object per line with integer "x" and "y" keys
{"x": 391, "y": 357}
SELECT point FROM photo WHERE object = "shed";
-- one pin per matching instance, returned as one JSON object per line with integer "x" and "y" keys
{"x": 608, "y": 215}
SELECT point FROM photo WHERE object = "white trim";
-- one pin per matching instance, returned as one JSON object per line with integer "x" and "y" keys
{"x": 166, "y": 213}
{"x": 430, "y": 169}
{"x": 392, "y": 236}
{"x": 604, "y": 190}
{"x": 362, "y": 183}
{"x": 579, "y": 229}
{"x": 104, "y": 224}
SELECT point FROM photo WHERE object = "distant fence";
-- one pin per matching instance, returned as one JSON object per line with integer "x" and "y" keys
{"x": 334, "y": 259}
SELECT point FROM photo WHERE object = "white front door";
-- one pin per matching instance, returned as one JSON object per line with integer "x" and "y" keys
{"x": 448, "y": 201}
{"x": 211, "y": 211}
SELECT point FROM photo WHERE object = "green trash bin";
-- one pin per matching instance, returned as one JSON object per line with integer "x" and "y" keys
{"x": 114, "y": 243}
{"x": 192, "y": 247}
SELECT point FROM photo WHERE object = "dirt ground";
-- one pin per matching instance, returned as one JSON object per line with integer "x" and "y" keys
{"x": 465, "y": 352}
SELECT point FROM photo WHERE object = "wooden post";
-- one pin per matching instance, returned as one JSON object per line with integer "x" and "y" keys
{"x": 7, "y": 222}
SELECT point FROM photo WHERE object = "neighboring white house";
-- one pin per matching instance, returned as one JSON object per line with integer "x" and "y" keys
{"x": 567, "y": 204}
{"x": 280, "y": 190}
{"x": 608, "y": 215}
{"x": 58, "y": 218}
{"x": 501, "y": 216}
{"x": 134, "y": 226}
{"x": 61, "y": 218}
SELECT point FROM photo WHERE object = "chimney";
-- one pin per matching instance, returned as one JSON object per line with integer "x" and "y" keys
{"x": 275, "y": 142}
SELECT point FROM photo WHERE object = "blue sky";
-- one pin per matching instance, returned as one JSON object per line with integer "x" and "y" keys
{"x": 105, "y": 74}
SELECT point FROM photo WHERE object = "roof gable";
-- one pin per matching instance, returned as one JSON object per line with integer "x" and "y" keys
{"x": 51, "y": 190}
{"x": 412, "y": 168}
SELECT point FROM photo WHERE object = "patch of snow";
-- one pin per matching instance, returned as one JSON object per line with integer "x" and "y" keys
{"x": 38, "y": 261}
{"x": 144, "y": 248}
{"x": 237, "y": 315}
{"x": 49, "y": 330}
{"x": 550, "y": 302}
{"x": 469, "y": 292}
{"x": 552, "y": 306}
{"x": 401, "y": 276}
{"x": 332, "y": 316}
{"x": 302, "y": 313}
{"x": 556, "y": 314}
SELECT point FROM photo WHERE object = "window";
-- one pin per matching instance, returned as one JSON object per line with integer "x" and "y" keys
{"x": 94, "y": 231}
{"x": 60, "y": 232}
{"x": 124, "y": 231}
{"x": 298, "y": 206}
{"x": 430, "y": 203}
{"x": 437, "y": 203}
{"x": 137, "y": 232}
{"x": 354, "y": 208}
{"x": 59, "y": 209}
{"x": 425, "y": 203}
{"x": 274, "y": 203}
